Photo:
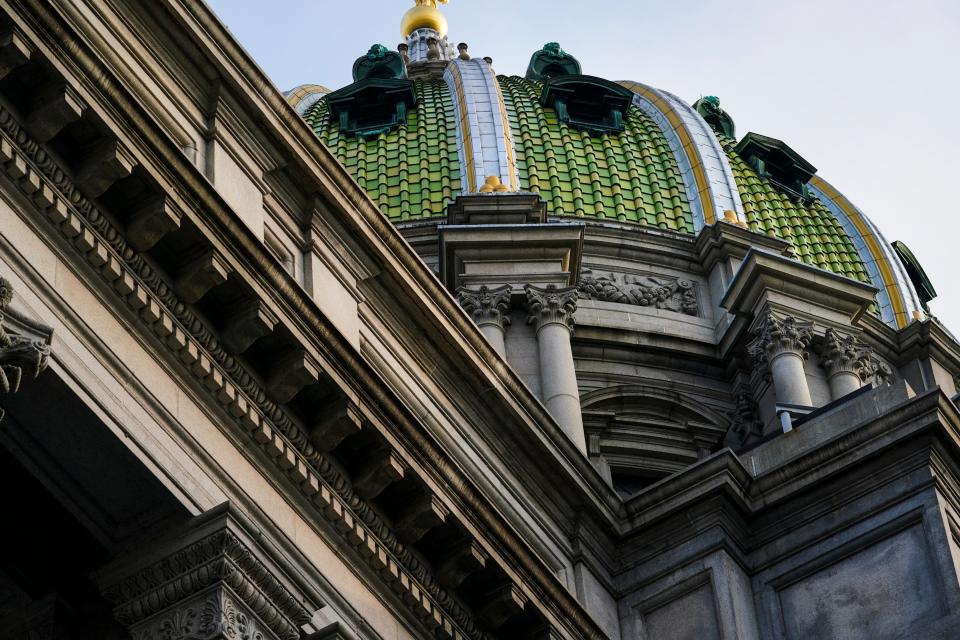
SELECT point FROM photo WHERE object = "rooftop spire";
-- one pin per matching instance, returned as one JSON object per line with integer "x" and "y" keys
{"x": 424, "y": 15}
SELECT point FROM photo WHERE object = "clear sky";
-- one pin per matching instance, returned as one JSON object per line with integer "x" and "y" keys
{"x": 866, "y": 90}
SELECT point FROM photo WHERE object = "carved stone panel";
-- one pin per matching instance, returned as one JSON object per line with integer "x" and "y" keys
{"x": 659, "y": 292}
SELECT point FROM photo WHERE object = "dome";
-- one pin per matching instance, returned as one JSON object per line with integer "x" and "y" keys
{"x": 305, "y": 96}
{"x": 598, "y": 151}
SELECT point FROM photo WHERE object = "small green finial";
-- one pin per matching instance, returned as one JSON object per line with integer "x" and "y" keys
{"x": 554, "y": 49}
{"x": 719, "y": 120}
{"x": 377, "y": 51}
{"x": 551, "y": 61}
{"x": 379, "y": 62}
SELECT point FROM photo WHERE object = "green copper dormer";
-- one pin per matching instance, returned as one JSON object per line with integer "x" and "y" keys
{"x": 774, "y": 161}
{"x": 918, "y": 277}
{"x": 379, "y": 98}
{"x": 719, "y": 120}
{"x": 551, "y": 61}
{"x": 590, "y": 104}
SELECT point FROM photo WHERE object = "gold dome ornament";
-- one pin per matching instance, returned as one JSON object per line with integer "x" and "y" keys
{"x": 425, "y": 15}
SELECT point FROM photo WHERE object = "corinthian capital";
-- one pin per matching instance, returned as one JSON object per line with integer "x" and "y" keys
{"x": 486, "y": 305}
{"x": 841, "y": 353}
{"x": 776, "y": 336}
{"x": 551, "y": 305}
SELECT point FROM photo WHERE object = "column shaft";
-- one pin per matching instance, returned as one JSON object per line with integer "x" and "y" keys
{"x": 558, "y": 379}
{"x": 789, "y": 379}
{"x": 495, "y": 335}
{"x": 843, "y": 383}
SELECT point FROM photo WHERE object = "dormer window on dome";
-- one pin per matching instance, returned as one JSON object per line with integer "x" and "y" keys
{"x": 379, "y": 98}
{"x": 590, "y": 104}
{"x": 773, "y": 160}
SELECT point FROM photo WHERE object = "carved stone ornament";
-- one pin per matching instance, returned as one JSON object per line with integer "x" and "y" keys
{"x": 660, "y": 292}
{"x": 486, "y": 305}
{"x": 270, "y": 427}
{"x": 214, "y": 615}
{"x": 841, "y": 352}
{"x": 212, "y": 586}
{"x": 24, "y": 347}
{"x": 743, "y": 418}
{"x": 775, "y": 336}
{"x": 551, "y": 305}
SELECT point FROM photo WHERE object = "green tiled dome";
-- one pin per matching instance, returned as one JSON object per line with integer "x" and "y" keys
{"x": 414, "y": 171}
{"x": 816, "y": 235}
{"x": 632, "y": 176}
{"x": 410, "y": 172}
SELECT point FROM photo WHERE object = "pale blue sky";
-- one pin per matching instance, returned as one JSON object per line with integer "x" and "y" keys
{"x": 867, "y": 91}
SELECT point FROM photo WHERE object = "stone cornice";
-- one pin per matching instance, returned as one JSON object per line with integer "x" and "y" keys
{"x": 929, "y": 337}
{"x": 832, "y": 297}
{"x": 724, "y": 240}
{"x": 266, "y": 422}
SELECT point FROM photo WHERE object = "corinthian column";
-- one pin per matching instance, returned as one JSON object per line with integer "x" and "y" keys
{"x": 781, "y": 346}
{"x": 551, "y": 313}
{"x": 847, "y": 362}
{"x": 488, "y": 307}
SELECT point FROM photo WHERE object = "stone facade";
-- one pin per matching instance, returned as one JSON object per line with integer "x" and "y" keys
{"x": 258, "y": 413}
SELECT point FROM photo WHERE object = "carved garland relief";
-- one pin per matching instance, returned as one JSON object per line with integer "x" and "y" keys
{"x": 660, "y": 292}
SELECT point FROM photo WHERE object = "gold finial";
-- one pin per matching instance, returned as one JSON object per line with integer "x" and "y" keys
{"x": 424, "y": 15}
{"x": 493, "y": 185}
